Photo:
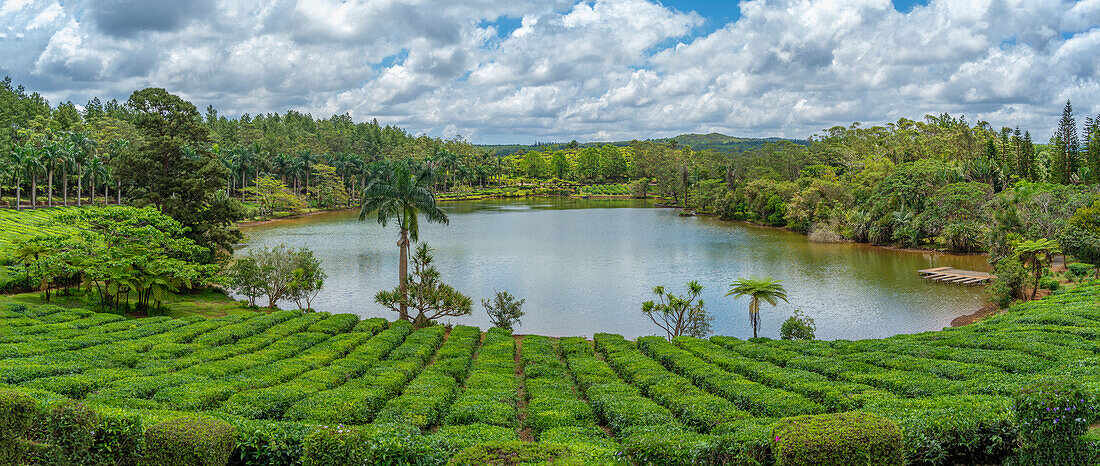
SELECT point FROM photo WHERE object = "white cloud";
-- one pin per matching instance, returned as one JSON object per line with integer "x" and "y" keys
{"x": 594, "y": 69}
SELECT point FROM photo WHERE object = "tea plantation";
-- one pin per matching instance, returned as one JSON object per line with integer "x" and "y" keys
{"x": 292, "y": 388}
{"x": 16, "y": 225}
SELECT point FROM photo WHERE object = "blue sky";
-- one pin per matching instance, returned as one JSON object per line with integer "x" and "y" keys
{"x": 498, "y": 71}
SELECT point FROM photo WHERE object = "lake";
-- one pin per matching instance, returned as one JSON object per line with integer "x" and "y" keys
{"x": 585, "y": 266}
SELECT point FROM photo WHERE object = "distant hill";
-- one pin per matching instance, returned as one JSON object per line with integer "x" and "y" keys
{"x": 712, "y": 141}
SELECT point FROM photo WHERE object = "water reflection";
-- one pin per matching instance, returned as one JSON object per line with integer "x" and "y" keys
{"x": 585, "y": 266}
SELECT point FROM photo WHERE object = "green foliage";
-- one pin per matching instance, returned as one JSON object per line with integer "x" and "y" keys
{"x": 758, "y": 289}
{"x": 679, "y": 314}
{"x": 190, "y": 441}
{"x": 798, "y": 327}
{"x": 852, "y": 438}
{"x": 1010, "y": 281}
{"x": 372, "y": 444}
{"x": 278, "y": 273}
{"x": 170, "y": 168}
{"x": 272, "y": 196}
{"x": 512, "y": 453}
{"x": 504, "y": 311}
{"x": 425, "y": 293}
{"x": 17, "y": 415}
{"x": 1053, "y": 417}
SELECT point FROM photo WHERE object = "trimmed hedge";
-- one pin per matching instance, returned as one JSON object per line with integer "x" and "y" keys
{"x": 841, "y": 439}
{"x": 512, "y": 453}
{"x": 189, "y": 441}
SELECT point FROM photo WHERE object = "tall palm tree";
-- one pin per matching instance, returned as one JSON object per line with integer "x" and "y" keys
{"x": 18, "y": 158}
{"x": 1037, "y": 254}
{"x": 758, "y": 289}
{"x": 306, "y": 159}
{"x": 34, "y": 164}
{"x": 85, "y": 147}
{"x": 114, "y": 153}
{"x": 402, "y": 196}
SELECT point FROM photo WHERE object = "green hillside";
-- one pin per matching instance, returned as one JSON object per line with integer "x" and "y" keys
{"x": 699, "y": 142}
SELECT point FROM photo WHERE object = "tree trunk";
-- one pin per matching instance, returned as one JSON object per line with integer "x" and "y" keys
{"x": 403, "y": 243}
{"x": 18, "y": 194}
{"x": 65, "y": 186}
{"x": 34, "y": 190}
{"x": 49, "y": 191}
{"x": 79, "y": 187}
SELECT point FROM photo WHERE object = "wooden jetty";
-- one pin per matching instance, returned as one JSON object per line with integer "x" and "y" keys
{"x": 957, "y": 276}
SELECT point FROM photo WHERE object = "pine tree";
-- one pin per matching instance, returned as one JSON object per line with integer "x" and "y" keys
{"x": 1066, "y": 148}
{"x": 1027, "y": 158}
{"x": 1092, "y": 148}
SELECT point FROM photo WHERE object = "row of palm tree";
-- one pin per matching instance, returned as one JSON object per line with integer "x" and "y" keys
{"x": 64, "y": 159}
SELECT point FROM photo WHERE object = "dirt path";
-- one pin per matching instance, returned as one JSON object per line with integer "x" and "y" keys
{"x": 525, "y": 433}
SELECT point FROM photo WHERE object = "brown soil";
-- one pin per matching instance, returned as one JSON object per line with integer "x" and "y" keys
{"x": 289, "y": 217}
{"x": 525, "y": 433}
{"x": 986, "y": 311}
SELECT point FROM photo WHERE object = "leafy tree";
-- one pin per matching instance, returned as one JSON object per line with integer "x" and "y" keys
{"x": 307, "y": 279}
{"x": 246, "y": 278}
{"x": 171, "y": 169}
{"x": 1081, "y": 239}
{"x": 402, "y": 195}
{"x": 504, "y": 310}
{"x": 276, "y": 271}
{"x": 272, "y": 196}
{"x": 559, "y": 165}
{"x": 1037, "y": 255}
{"x": 425, "y": 293}
{"x": 758, "y": 289}
{"x": 327, "y": 190}
{"x": 798, "y": 327}
{"x": 1010, "y": 281}
{"x": 679, "y": 315}
{"x": 534, "y": 164}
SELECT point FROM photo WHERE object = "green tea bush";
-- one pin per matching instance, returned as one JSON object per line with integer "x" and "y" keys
{"x": 1053, "y": 417}
{"x": 513, "y": 452}
{"x": 189, "y": 441}
{"x": 665, "y": 445}
{"x": 490, "y": 392}
{"x": 452, "y": 439}
{"x": 852, "y": 438}
{"x": 953, "y": 429}
{"x": 17, "y": 414}
{"x": 372, "y": 444}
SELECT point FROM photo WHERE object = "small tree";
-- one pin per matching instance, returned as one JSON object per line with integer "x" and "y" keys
{"x": 272, "y": 196}
{"x": 425, "y": 293}
{"x": 798, "y": 327}
{"x": 758, "y": 289}
{"x": 308, "y": 278}
{"x": 1037, "y": 255}
{"x": 679, "y": 315}
{"x": 245, "y": 278}
{"x": 1009, "y": 284}
{"x": 504, "y": 311}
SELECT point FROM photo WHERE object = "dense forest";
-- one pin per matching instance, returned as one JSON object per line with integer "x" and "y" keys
{"x": 940, "y": 182}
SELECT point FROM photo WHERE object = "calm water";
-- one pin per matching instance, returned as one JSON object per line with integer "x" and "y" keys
{"x": 585, "y": 266}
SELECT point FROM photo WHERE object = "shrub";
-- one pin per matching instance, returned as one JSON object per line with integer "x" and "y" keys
{"x": 71, "y": 433}
{"x": 665, "y": 444}
{"x": 264, "y": 442}
{"x": 744, "y": 442}
{"x": 1049, "y": 283}
{"x": 798, "y": 327}
{"x": 511, "y": 453}
{"x": 1053, "y": 416}
{"x": 852, "y": 438}
{"x": 452, "y": 439}
{"x": 190, "y": 441}
{"x": 17, "y": 414}
{"x": 372, "y": 444}
{"x": 971, "y": 429}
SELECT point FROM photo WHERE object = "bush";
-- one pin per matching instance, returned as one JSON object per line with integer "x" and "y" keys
{"x": 512, "y": 452}
{"x": 852, "y": 438}
{"x": 452, "y": 439}
{"x": 951, "y": 429}
{"x": 798, "y": 327}
{"x": 17, "y": 414}
{"x": 190, "y": 441}
{"x": 1053, "y": 416}
{"x": 1049, "y": 283}
{"x": 71, "y": 434}
{"x": 665, "y": 444}
{"x": 263, "y": 442}
{"x": 371, "y": 444}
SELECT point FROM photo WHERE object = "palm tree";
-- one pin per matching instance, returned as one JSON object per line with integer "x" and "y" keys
{"x": 402, "y": 196}
{"x": 34, "y": 164}
{"x": 18, "y": 158}
{"x": 758, "y": 289}
{"x": 1037, "y": 254}
{"x": 114, "y": 153}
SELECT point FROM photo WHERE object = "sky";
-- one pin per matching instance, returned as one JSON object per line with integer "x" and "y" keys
{"x": 519, "y": 71}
